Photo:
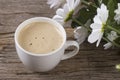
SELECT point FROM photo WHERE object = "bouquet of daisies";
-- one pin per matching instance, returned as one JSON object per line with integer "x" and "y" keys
{"x": 93, "y": 20}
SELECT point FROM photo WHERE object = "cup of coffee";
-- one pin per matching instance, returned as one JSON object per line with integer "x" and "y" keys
{"x": 41, "y": 42}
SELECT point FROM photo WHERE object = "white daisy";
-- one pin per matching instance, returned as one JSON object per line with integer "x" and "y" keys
{"x": 98, "y": 25}
{"x": 55, "y": 3}
{"x": 111, "y": 36}
{"x": 64, "y": 14}
{"x": 117, "y": 16}
{"x": 80, "y": 34}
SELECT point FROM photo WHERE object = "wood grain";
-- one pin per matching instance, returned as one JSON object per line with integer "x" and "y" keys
{"x": 91, "y": 63}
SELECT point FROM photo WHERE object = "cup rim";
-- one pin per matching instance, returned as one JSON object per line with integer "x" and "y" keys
{"x": 32, "y": 20}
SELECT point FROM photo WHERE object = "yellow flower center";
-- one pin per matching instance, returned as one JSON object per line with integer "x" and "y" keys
{"x": 69, "y": 16}
{"x": 103, "y": 27}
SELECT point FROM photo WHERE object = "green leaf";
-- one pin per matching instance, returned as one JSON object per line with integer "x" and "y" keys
{"x": 84, "y": 15}
{"x": 98, "y": 2}
{"x": 86, "y": 0}
{"x": 111, "y": 5}
{"x": 105, "y": 2}
{"x": 118, "y": 1}
{"x": 118, "y": 40}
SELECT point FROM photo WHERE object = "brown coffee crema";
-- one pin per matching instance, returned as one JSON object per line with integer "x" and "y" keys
{"x": 40, "y": 38}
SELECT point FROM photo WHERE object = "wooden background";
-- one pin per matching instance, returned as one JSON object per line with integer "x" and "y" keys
{"x": 91, "y": 63}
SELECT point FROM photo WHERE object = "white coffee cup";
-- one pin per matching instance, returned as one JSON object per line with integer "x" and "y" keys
{"x": 44, "y": 62}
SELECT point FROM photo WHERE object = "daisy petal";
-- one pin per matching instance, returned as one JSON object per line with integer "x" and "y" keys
{"x": 107, "y": 45}
{"x": 118, "y": 5}
{"x": 112, "y": 36}
{"x": 50, "y": 1}
{"x": 55, "y": 3}
{"x": 103, "y": 13}
{"x": 103, "y": 7}
{"x": 61, "y": 22}
{"x": 66, "y": 10}
{"x": 57, "y": 17}
{"x": 60, "y": 12}
{"x": 117, "y": 16}
{"x": 70, "y": 4}
{"x": 100, "y": 37}
{"x": 52, "y": 5}
{"x": 96, "y": 26}
{"x": 97, "y": 19}
{"x": 94, "y": 36}
{"x": 77, "y": 2}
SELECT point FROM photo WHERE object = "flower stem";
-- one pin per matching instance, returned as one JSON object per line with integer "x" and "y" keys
{"x": 78, "y": 22}
{"x": 104, "y": 38}
{"x": 88, "y": 3}
{"x": 100, "y": 2}
{"x": 114, "y": 43}
{"x": 112, "y": 28}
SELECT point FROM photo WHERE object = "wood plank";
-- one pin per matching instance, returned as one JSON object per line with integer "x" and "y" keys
{"x": 13, "y": 12}
{"x": 90, "y": 63}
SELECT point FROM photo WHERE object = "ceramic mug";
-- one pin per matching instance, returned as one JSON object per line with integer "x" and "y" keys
{"x": 44, "y": 62}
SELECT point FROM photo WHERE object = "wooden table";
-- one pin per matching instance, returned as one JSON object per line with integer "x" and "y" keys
{"x": 91, "y": 63}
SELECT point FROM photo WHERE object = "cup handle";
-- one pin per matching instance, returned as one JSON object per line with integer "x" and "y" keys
{"x": 73, "y": 53}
